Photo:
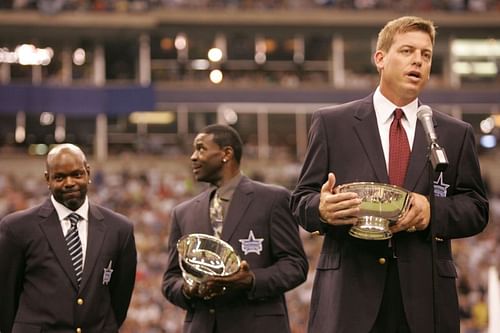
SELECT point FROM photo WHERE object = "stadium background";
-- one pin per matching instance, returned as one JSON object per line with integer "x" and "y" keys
{"x": 132, "y": 82}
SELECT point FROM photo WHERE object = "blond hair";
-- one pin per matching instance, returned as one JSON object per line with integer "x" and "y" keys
{"x": 402, "y": 25}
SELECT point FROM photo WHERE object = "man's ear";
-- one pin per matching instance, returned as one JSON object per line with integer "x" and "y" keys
{"x": 228, "y": 153}
{"x": 87, "y": 167}
{"x": 378, "y": 59}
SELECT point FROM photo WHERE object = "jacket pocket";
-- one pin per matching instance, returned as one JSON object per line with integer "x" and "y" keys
{"x": 26, "y": 328}
{"x": 446, "y": 268}
{"x": 270, "y": 309}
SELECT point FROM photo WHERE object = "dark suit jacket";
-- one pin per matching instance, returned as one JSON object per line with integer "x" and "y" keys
{"x": 280, "y": 266}
{"x": 349, "y": 279}
{"x": 38, "y": 290}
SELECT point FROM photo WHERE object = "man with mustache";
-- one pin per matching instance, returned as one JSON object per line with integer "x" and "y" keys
{"x": 67, "y": 265}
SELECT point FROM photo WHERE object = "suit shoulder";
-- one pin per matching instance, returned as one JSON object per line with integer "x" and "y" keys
{"x": 186, "y": 205}
{"x": 341, "y": 109}
{"x": 270, "y": 188}
{"x": 115, "y": 217}
{"x": 446, "y": 119}
{"x": 24, "y": 216}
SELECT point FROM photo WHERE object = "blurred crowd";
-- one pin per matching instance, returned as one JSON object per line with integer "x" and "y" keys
{"x": 147, "y": 195}
{"x": 145, "y": 5}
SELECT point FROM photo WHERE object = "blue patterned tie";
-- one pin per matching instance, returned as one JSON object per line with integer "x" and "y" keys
{"x": 75, "y": 246}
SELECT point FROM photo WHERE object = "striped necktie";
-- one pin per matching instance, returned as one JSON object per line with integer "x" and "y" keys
{"x": 399, "y": 150}
{"x": 75, "y": 246}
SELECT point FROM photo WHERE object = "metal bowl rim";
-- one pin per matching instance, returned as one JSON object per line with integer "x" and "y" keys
{"x": 205, "y": 236}
{"x": 381, "y": 185}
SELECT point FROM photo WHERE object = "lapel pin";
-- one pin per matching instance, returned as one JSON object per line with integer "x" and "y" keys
{"x": 106, "y": 277}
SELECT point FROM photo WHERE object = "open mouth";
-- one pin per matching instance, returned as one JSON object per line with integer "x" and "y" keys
{"x": 414, "y": 75}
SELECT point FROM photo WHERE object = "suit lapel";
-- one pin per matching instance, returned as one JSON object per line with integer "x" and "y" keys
{"x": 368, "y": 133}
{"x": 201, "y": 210}
{"x": 418, "y": 158}
{"x": 240, "y": 201}
{"x": 95, "y": 239}
{"x": 51, "y": 227}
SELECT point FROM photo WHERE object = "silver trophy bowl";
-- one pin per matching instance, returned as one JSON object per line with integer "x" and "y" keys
{"x": 202, "y": 256}
{"x": 382, "y": 205}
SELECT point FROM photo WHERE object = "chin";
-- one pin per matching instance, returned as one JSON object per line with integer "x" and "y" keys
{"x": 73, "y": 204}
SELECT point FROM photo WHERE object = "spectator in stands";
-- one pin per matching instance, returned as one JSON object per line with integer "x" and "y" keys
{"x": 67, "y": 264}
{"x": 255, "y": 219}
{"x": 388, "y": 285}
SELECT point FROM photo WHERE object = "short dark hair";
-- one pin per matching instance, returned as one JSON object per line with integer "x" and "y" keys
{"x": 226, "y": 136}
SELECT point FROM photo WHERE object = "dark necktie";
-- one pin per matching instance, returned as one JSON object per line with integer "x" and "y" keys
{"x": 399, "y": 150}
{"x": 75, "y": 246}
{"x": 216, "y": 214}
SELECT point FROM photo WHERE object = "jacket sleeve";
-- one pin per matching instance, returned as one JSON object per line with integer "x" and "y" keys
{"x": 304, "y": 202}
{"x": 124, "y": 276}
{"x": 11, "y": 276}
{"x": 464, "y": 211}
{"x": 290, "y": 266}
{"x": 172, "y": 278}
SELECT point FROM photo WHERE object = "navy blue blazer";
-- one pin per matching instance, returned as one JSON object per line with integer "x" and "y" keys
{"x": 38, "y": 289}
{"x": 350, "y": 279}
{"x": 255, "y": 209}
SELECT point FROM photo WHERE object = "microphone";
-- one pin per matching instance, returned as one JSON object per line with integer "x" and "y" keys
{"x": 437, "y": 154}
{"x": 424, "y": 114}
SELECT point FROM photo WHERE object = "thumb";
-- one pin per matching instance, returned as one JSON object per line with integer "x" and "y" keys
{"x": 329, "y": 184}
{"x": 244, "y": 266}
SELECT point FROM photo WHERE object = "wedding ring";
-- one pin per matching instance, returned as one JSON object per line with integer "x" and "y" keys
{"x": 411, "y": 229}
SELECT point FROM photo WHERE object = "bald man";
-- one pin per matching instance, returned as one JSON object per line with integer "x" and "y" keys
{"x": 67, "y": 265}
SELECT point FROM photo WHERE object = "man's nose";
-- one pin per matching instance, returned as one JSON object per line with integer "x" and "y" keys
{"x": 417, "y": 58}
{"x": 69, "y": 182}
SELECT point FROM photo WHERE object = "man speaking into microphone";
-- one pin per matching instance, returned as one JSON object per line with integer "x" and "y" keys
{"x": 405, "y": 283}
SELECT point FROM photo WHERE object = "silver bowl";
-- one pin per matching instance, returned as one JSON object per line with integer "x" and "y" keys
{"x": 201, "y": 256}
{"x": 382, "y": 205}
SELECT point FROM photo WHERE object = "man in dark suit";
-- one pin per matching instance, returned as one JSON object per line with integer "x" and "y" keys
{"x": 257, "y": 223}
{"x": 402, "y": 284}
{"x": 67, "y": 265}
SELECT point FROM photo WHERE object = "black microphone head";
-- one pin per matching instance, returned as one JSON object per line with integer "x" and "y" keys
{"x": 424, "y": 111}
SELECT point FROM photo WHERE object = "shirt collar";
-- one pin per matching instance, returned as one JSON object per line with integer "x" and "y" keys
{"x": 384, "y": 108}
{"x": 227, "y": 190}
{"x": 63, "y": 211}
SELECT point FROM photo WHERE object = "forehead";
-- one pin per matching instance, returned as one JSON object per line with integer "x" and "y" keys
{"x": 205, "y": 139}
{"x": 65, "y": 161}
{"x": 416, "y": 38}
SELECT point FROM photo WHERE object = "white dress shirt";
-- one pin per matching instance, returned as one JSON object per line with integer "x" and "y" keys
{"x": 83, "y": 211}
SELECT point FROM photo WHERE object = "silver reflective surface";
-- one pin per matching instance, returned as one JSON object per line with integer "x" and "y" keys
{"x": 382, "y": 204}
{"x": 202, "y": 255}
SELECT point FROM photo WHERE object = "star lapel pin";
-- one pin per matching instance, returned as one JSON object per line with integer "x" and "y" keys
{"x": 251, "y": 244}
